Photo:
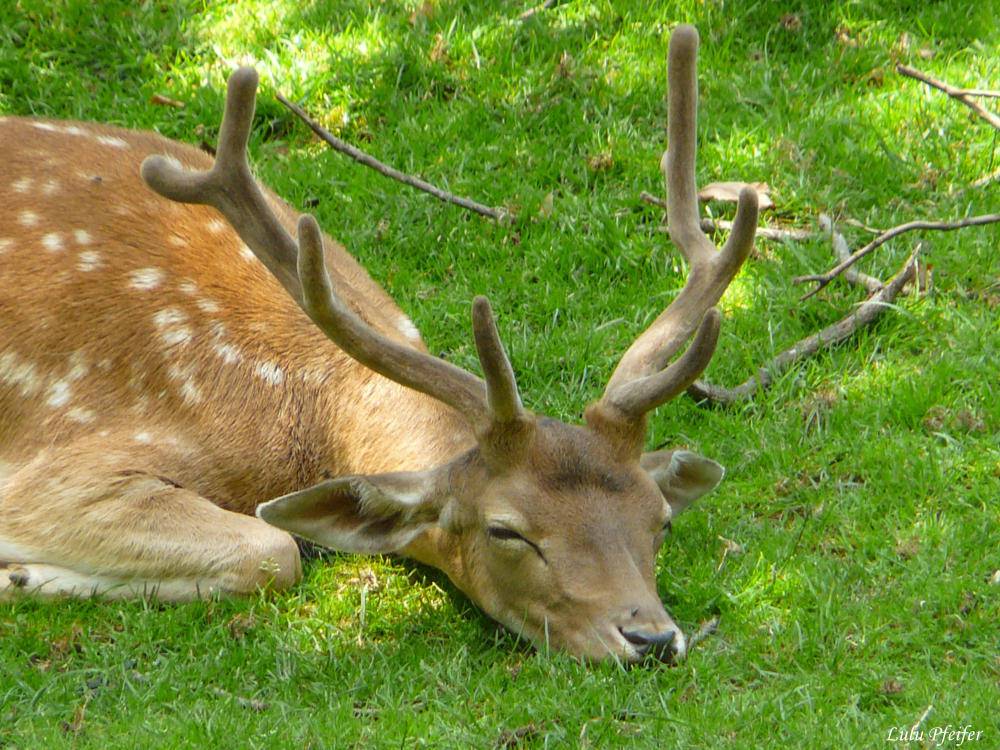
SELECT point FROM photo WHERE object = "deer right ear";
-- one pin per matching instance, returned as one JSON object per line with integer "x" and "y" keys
{"x": 682, "y": 476}
{"x": 365, "y": 514}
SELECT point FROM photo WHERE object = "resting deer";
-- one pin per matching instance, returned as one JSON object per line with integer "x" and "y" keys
{"x": 160, "y": 387}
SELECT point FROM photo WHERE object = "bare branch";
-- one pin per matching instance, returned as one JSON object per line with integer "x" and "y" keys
{"x": 962, "y": 95}
{"x": 714, "y": 226}
{"x": 498, "y": 214}
{"x": 865, "y": 314}
{"x": 707, "y": 628}
{"x": 548, "y": 4}
{"x": 842, "y": 251}
{"x": 823, "y": 279}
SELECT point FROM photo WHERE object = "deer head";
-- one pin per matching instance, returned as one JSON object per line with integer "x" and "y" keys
{"x": 552, "y": 529}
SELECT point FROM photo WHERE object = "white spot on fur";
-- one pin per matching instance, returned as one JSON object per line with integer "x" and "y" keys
{"x": 146, "y": 278}
{"x": 45, "y": 126}
{"x": 228, "y": 353}
{"x": 216, "y": 226}
{"x": 83, "y": 416}
{"x": 190, "y": 391}
{"x": 74, "y": 130}
{"x": 247, "y": 253}
{"x": 176, "y": 240}
{"x": 88, "y": 260}
{"x": 188, "y": 287}
{"x": 176, "y": 336}
{"x": 27, "y": 219}
{"x": 51, "y": 187}
{"x": 114, "y": 142}
{"x": 270, "y": 373}
{"x": 5, "y": 244}
{"x": 168, "y": 317}
{"x": 20, "y": 375}
{"x": 143, "y": 437}
{"x": 82, "y": 237}
{"x": 53, "y": 242}
{"x": 59, "y": 394}
{"x": 406, "y": 327}
{"x": 172, "y": 332}
{"x": 104, "y": 365}
{"x": 78, "y": 366}
{"x": 207, "y": 305}
{"x": 22, "y": 186}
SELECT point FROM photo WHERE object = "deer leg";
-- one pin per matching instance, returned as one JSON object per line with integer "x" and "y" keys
{"x": 130, "y": 533}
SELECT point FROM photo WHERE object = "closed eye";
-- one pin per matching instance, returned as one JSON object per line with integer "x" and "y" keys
{"x": 504, "y": 534}
{"x": 507, "y": 535}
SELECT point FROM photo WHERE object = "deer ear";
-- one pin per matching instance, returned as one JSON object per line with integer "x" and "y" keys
{"x": 682, "y": 476}
{"x": 365, "y": 514}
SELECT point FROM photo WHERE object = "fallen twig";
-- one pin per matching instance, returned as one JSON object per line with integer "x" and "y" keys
{"x": 538, "y": 9}
{"x": 986, "y": 179}
{"x": 361, "y": 157}
{"x": 963, "y": 95}
{"x": 707, "y": 628}
{"x": 825, "y": 278}
{"x": 865, "y": 314}
{"x": 713, "y": 226}
{"x": 842, "y": 251}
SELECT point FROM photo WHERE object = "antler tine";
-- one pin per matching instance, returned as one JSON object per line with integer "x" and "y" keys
{"x": 409, "y": 367}
{"x": 640, "y": 382}
{"x": 230, "y": 187}
{"x": 501, "y": 386}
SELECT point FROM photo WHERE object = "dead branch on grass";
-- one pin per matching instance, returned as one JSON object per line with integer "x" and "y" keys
{"x": 497, "y": 214}
{"x": 864, "y": 315}
{"x": 966, "y": 96}
{"x": 714, "y": 226}
{"x": 823, "y": 279}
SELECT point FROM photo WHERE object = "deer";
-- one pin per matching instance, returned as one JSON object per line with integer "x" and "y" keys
{"x": 194, "y": 377}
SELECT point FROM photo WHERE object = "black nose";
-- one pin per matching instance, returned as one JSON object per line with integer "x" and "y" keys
{"x": 652, "y": 645}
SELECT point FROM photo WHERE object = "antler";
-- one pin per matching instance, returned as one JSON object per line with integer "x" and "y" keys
{"x": 229, "y": 185}
{"x": 642, "y": 381}
{"x": 301, "y": 268}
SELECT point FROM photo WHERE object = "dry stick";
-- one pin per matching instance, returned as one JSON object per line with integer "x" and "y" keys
{"x": 710, "y": 226}
{"x": 538, "y": 9}
{"x": 707, "y": 628}
{"x": 361, "y": 157}
{"x": 825, "y": 278}
{"x": 842, "y": 251}
{"x": 865, "y": 314}
{"x": 961, "y": 95}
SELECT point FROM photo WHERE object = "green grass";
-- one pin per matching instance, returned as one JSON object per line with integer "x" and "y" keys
{"x": 864, "y": 488}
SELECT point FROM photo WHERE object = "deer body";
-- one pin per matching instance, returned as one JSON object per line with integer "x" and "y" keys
{"x": 170, "y": 370}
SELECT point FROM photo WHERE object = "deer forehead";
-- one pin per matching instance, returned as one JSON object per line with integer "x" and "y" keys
{"x": 573, "y": 474}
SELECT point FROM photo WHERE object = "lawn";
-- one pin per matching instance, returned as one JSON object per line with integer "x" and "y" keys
{"x": 851, "y": 555}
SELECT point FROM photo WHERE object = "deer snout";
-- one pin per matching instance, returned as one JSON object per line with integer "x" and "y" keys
{"x": 654, "y": 637}
{"x": 661, "y": 646}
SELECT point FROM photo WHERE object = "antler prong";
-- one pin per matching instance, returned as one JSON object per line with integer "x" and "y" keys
{"x": 229, "y": 185}
{"x": 501, "y": 386}
{"x": 408, "y": 367}
{"x": 644, "y": 394}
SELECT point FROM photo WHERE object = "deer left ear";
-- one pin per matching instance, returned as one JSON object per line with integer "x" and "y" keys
{"x": 682, "y": 476}
{"x": 366, "y": 514}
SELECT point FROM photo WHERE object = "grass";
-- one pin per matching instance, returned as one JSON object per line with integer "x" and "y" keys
{"x": 863, "y": 488}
